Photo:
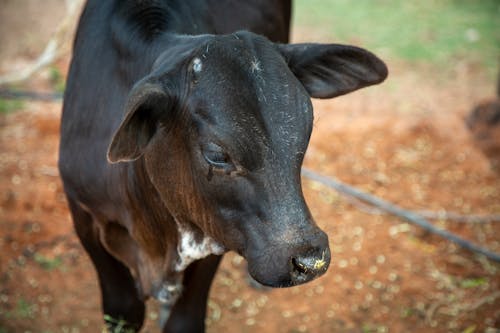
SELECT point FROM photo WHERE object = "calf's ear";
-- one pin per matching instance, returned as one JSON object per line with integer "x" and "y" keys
{"x": 147, "y": 104}
{"x": 329, "y": 70}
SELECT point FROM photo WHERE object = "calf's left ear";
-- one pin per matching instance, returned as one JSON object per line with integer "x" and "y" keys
{"x": 329, "y": 70}
{"x": 148, "y": 103}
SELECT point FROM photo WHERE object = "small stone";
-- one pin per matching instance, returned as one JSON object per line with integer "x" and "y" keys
{"x": 237, "y": 303}
{"x": 237, "y": 260}
{"x": 380, "y": 259}
{"x": 153, "y": 315}
{"x": 382, "y": 329}
{"x": 302, "y": 328}
{"x": 16, "y": 180}
{"x": 393, "y": 288}
{"x": 262, "y": 300}
{"x": 373, "y": 269}
{"x": 319, "y": 289}
{"x": 250, "y": 321}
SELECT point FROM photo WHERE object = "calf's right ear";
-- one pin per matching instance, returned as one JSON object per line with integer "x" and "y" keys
{"x": 330, "y": 70}
{"x": 148, "y": 103}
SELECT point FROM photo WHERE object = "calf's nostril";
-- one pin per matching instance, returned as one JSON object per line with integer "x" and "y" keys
{"x": 310, "y": 265}
{"x": 299, "y": 266}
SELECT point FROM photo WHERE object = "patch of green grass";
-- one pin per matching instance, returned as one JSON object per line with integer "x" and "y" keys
{"x": 367, "y": 328}
{"x": 473, "y": 283}
{"x": 7, "y": 105}
{"x": 46, "y": 263}
{"x": 54, "y": 74}
{"x": 23, "y": 310}
{"x": 407, "y": 312}
{"x": 435, "y": 31}
{"x": 117, "y": 325}
{"x": 371, "y": 328}
{"x": 57, "y": 79}
{"x": 470, "y": 329}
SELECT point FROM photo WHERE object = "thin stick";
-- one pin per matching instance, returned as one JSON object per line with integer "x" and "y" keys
{"x": 28, "y": 94}
{"x": 450, "y": 216}
{"x": 487, "y": 299}
{"x": 399, "y": 212}
{"x": 428, "y": 214}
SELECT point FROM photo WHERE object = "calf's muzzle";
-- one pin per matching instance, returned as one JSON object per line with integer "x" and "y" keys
{"x": 291, "y": 263}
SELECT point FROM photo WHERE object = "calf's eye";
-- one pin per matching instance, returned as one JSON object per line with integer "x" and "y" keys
{"x": 217, "y": 158}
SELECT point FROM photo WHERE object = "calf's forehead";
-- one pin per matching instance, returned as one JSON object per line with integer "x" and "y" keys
{"x": 247, "y": 84}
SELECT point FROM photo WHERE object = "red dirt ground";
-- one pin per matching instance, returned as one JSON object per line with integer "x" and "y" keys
{"x": 404, "y": 141}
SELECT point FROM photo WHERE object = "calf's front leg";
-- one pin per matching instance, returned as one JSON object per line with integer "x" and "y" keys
{"x": 188, "y": 313}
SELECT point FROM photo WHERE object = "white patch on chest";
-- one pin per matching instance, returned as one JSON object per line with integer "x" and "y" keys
{"x": 189, "y": 249}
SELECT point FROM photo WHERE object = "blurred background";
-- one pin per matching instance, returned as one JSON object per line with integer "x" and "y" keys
{"x": 413, "y": 140}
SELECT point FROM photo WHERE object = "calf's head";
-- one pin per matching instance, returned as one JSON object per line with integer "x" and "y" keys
{"x": 223, "y": 123}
